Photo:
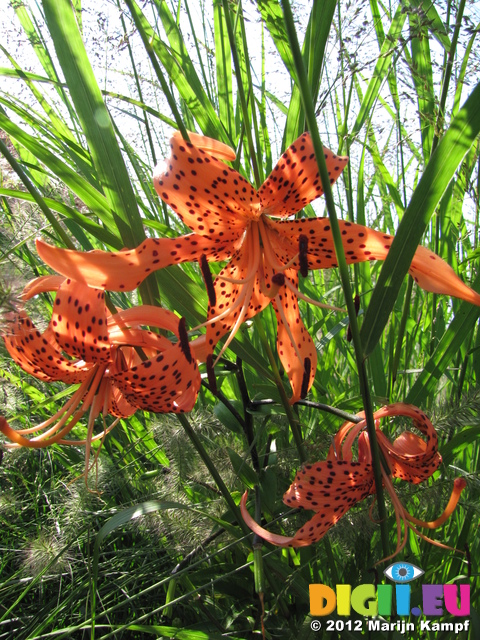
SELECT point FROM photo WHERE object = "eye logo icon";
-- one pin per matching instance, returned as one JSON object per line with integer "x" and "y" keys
{"x": 403, "y": 572}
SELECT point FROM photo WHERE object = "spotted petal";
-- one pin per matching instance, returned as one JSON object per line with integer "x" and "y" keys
{"x": 210, "y": 197}
{"x": 118, "y": 405}
{"x": 362, "y": 244}
{"x": 411, "y": 457}
{"x": 295, "y": 347}
{"x": 125, "y": 270}
{"x": 169, "y": 380}
{"x": 161, "y": 384}
{"x": 38, "y": 354}
{"x": 79, "y": 322}
{"x": 330, "y": 488}
{"x": 295, "y": 181}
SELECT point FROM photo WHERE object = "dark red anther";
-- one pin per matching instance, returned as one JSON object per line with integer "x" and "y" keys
{"x": 207, "y": 278}
{"x": 183, "y": 338}
{"x": 303, "y": 254}
{"x": 307, "y": 368}
{"x": 279, "y": 279}
{"x": 212, "y": 381}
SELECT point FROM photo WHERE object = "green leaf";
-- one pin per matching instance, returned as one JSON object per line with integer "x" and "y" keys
{"x": 87, "y": 224}
{"x": 223, "y": 62}
{"x": 448, "y": 346}
{"x": 246, "y": 474}
{"x": 95, "y": 119}
{"x": 195, "y": 97}
{"x": 382, "y": 68}
{"x": 226, "y": 417}
{"x": 94, "y": 200}
{"x": 440, "y": 170}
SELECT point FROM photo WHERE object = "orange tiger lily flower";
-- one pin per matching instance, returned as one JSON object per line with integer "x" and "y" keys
{"x": 231, "y": 220}
{"x": 119, "y": 366}
{"x": 333, "y": 486}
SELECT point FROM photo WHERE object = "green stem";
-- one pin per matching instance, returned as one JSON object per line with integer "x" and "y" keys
{"x": 342, "y": 265}
{"x": 436, "y": 139}
{"x": 248, "y": 421}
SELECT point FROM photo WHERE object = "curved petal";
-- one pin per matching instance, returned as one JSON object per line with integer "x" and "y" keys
{"x": 125, "y": 270}
{"x": 210, "y": 145}
{"x": 79, "y": 322}
{"x": 268, "y": 536}
{"x": 330, "y": 488}
{"x": 118, "y": 405}
{"x": 361, "y": 244}
{"x": 295, "y": 181}
{"x": 459, "y": 485}
{"x": 433, "y": 274}
{"x": 295, "y": 347}
{"x": 38, "y": 354}
{"x": 410, "y": 457}
{"x": 209, "y": 196}
{"x": 41, "y": 285}
{"x": 160, "y": 383}
{"x": 146, "y": 314}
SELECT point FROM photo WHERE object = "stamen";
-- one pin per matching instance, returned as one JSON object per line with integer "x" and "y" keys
{"x": 246, "y": 300}
{"x": 207, "y": 278}
{"x": 270, "y": 254}
{"x": 93, "y": 439}
{"x": 278, "y": 279}
{"x": 302, "y": 254}
{"x": 212, "y": 381}
{"x": 300, "y": 295}
{"x": 234, "y": 280}
{"x": 247, "y": 290}
{"x": 183, "y": 337}
{"x": 238, "y": 302}
{"x": 307, "y": 364}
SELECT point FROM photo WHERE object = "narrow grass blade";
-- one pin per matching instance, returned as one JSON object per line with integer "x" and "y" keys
{"x": 382, "y": 68}
{"x": 450, "y": 343}
{"x": 436, "y": 178}
{"x": 95, "y": 120}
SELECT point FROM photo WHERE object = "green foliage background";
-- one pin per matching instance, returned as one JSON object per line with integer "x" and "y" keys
{"x": 161, "y": 551}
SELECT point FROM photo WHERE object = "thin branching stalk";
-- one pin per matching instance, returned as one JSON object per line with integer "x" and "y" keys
{"x": 342, "y": 266}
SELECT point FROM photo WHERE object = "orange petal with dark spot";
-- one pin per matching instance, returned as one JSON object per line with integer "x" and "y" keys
{"x": 125, "y": 270}
{"x": 209, "y": 196}
{"x": 330, "y": 488}
{"x": 295, "y": 180}
{"x": 290, "y": 327}
{"x": 362, "y": 244}
{"x": 79, "y": 322}
{"x": 161, "y": 383}
{"x": 38, "y": 354}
